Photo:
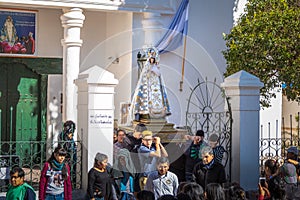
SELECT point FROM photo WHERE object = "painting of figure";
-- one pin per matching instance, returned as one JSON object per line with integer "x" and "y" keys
{"x": 18, "y": 32}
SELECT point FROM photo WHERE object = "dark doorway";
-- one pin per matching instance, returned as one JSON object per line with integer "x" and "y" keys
{"x": 20, "y": 108}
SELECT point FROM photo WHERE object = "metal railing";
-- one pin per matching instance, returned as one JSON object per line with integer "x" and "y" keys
{"x": 31, "y": 156}
{"x": 274, "y": 146}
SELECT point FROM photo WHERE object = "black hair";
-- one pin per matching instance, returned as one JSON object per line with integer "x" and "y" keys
{"x": 121, "y": 130}
{"x": 69, "y": 126}
{"x": 140, "y": 127}
{"x": 214, "y": 191}
{"x": 154, "y": 60}
{"x": 200, "y": 133}
{"x": 273, "y": 165}
{"x": 194, "y": 190}
{"x": 167, "y": 197}
{"x": 276, "y": 186}
{"x": 235, "y": 192}
{"x": 181, "y": 185}
{"x": 183, "y": 196}
{"x": 145, "y": 195}
{"x": 62, "y": 152}
{"x": 18, "y": 169}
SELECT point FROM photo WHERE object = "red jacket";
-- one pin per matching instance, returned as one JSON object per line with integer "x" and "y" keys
{"x": 44, "y": 183}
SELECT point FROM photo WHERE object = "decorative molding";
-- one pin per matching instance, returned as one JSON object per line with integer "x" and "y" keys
{"x": 167, "y": 7}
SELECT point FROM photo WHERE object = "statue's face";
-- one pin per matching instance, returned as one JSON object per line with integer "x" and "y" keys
{"x": 152, "y": 60}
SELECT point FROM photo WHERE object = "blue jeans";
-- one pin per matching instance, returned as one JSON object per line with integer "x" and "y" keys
{"x": 97, "y": 198}
{"x": 55, "y": 197}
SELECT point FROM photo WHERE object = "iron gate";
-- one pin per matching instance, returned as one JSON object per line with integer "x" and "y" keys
{"x": 208, "y": 109}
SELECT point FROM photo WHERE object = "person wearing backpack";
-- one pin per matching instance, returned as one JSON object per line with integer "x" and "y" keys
{"x": 55, "y": 181}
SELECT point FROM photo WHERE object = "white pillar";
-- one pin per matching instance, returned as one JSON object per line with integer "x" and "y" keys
{"x": 242, "y": 89}
{"x": 72, "y": 21}
{"x": 153, "y": 28}
{"x": 95, "y": 115}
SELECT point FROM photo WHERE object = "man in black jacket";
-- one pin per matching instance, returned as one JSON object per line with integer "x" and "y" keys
{"x": 208, "y": 171}
{"x": 132, "y": 142}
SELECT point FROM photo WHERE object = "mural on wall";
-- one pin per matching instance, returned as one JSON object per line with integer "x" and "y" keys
{"x": 17, "y": 32}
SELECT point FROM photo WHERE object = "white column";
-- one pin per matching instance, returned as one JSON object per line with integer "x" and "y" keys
{"x": 72, "y": 21}
{"x": 95, "y": 115}
{"x": 242, "y": 89}
{"x": 153, "y": 28}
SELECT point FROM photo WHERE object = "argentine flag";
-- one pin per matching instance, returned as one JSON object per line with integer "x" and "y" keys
{"x": 173, "y": 38}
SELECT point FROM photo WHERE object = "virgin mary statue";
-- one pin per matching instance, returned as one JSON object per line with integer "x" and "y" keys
{"x": 150, "y": 98}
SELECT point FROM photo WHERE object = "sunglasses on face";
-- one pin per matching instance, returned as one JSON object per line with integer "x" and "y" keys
{"x": 14, "y": 177}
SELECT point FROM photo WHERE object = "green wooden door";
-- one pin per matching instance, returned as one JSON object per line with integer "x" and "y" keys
{"x": 20, "y": 109}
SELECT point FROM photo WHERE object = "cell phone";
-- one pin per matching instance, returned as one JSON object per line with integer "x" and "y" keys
{"x": 262, "y": 181}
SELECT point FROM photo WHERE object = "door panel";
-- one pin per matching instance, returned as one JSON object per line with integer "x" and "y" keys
{"x": 20, "y": 108}
{"x": 3, "y": 103}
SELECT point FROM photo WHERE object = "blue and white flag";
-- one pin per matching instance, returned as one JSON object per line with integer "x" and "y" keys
{"x": 173, "y": 38}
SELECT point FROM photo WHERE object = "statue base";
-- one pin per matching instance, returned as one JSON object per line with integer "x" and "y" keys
{"x": 161, "y": 128}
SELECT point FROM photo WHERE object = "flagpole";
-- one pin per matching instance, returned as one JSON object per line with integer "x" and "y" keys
{"x": 182, "y": 65}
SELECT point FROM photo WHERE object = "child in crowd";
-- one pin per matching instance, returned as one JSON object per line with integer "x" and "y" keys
{"x": 162, "y": 181}
{"x": 55, "y": 182}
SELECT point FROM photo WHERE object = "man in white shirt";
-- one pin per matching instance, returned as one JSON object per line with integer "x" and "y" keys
{"x": 162, "y": 181}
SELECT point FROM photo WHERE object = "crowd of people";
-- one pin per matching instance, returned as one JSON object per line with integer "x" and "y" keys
{"x": 141, "y": 171}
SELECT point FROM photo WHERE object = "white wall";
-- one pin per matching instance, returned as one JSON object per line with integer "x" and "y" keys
{"x": 270, "y": 118}
{"x": 54, "y": 115}
{"x": 238, "y": 9}
{"x": 203, "y": 56}
{"x": 108, "y": 35}
{"x": 50, "y": 33}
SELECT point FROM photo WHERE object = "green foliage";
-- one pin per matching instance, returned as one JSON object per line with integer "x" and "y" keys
{"x": 266, "y": 42}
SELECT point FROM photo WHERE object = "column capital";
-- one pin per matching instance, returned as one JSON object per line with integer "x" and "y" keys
{"x": 72, "y": 17}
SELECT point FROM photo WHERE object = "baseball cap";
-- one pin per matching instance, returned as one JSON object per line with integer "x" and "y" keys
{"x": 213, "y": 138}
{"x": 293, "y": 149}
{"x": 288, "y": 171}
{"x": 200, "y": 133}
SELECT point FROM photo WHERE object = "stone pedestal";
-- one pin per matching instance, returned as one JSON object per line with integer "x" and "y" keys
{"x": 162, "y": 129}
{"x": 242, "y": 89}
{"x": 95, "y": 116}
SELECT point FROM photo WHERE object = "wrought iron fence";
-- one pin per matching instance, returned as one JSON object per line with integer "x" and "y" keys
{"x": 31, "y": 156}
{"x": 209, "y": 109}
{"x": 275, "y": 145}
